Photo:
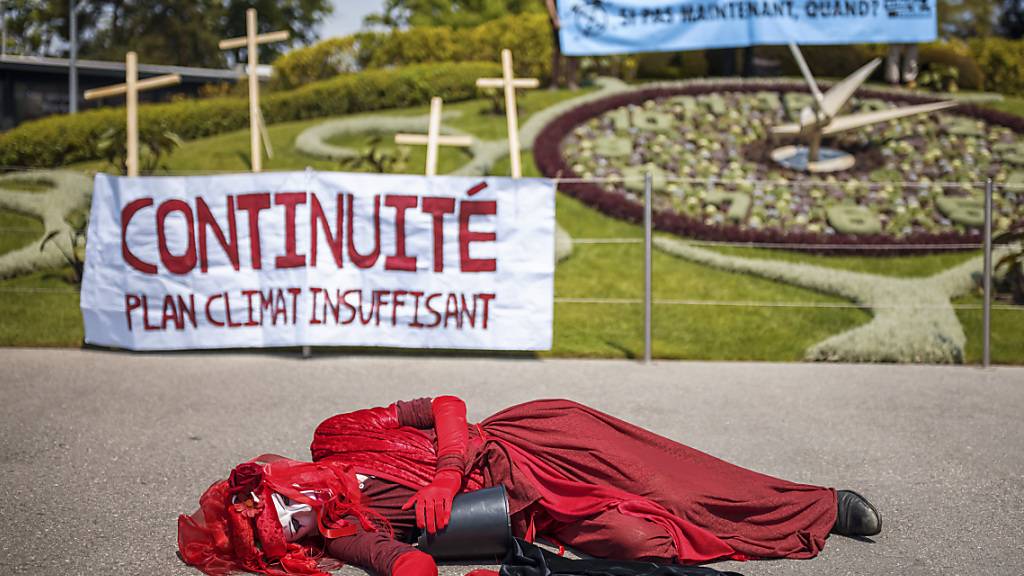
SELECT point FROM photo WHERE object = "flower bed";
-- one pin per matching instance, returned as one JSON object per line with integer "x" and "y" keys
{"x": 717, "y": 131}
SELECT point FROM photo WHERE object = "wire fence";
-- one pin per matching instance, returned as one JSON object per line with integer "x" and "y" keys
{"x": 770, "y": 304}
{"x": 648, "y": 301}
{"x": 793, "y": 246}
{"x": 656, "y": 301}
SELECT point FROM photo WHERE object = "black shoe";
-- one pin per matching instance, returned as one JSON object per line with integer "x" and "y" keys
{"x": 856, "y": 516}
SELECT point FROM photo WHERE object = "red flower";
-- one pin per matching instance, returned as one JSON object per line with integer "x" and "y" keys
{"x": 245, "y": 478}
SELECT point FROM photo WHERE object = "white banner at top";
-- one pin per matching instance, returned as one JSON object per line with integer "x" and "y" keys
{"x": 320, "y": 258}
{"x": 598, "y": 27}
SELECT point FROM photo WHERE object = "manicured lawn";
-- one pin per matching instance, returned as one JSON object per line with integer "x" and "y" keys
{"x": 229, "y": 152}
{"x": 40, "y": 309}
{"x": 683, "y": 331}
{"x": 26, "y": 186}
{"x": 1007, "y": 332}
{"x": 1011, "y": 104}
{"x": 915, "y": 266}
{"x": 593, "y": 271}
{"x": 449, "y": 158}
{"x": 17, "y": 230}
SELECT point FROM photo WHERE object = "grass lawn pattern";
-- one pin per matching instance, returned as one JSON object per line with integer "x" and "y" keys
{"x": 40, "y": 309}
{"x": 17, "y": 230}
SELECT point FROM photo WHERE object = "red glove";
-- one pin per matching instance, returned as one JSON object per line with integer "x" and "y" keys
{"x": 452, "y": 432}
{"x": 434, "y": 502}
{"x": 414, "y": 563}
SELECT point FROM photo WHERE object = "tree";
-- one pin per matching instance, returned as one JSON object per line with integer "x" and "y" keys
{"x": 37, "y": 26}
{"x": 181, "y": 32}
{"x": 394, "y": 16}
{"x": 1011, "y": 20}
{"x": 968, "y": 18}
{"x": 454, "y": 13}
{"x": 300, "y": 17}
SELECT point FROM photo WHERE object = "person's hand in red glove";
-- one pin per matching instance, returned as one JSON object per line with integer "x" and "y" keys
{"x": 414, "y": 563}
{"x": 434, "y": 502}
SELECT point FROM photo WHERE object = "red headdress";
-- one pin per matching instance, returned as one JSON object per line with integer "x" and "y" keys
{"x": 237, "y": 527}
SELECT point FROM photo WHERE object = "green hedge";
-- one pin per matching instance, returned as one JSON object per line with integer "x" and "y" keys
{"x": 993, "y": 64}
{"x": 527, "y": 35}
{"x": 61, "y": 140}
{"x": 1002, "y": 60}
{"x": 958, "y": 55}
{"x": 824, "y": 61}
{"x": 672, "y": 65}
{"x": 320, "y": 61}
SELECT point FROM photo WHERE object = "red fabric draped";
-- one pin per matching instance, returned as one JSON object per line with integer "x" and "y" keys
{"x": 563, "y": 462}
{"x": 372, "y": 442}
{"x": 580, "y": 461}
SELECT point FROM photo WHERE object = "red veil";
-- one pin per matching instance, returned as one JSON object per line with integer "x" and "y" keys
{"x": 236, "y": 526}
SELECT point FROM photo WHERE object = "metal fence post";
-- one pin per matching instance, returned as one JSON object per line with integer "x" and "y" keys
{"x": 72, "y": 57}
{"x": 986, "y": 355}
{"x": 648, "y": 183}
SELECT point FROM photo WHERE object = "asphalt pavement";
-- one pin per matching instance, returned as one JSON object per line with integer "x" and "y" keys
{"x": 101, "y": 451}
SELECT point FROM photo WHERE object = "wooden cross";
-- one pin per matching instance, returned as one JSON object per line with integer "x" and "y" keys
{"x": 131, "y": 87}
{"x": 433, "y": 137}
{"x": 509, "y": 83}
{"x": 251, "y": 41}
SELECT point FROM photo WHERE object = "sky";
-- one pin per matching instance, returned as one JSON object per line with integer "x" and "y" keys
{"x": 348, "y": 16}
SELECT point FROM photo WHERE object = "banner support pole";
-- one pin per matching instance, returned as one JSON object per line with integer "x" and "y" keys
{"x": 647, "y": 267}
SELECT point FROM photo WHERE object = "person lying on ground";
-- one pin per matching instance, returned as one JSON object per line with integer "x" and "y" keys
{"x": 574, "y": 475}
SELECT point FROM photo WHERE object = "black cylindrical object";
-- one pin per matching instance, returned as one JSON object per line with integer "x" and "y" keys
{"x": 479, "y": 528}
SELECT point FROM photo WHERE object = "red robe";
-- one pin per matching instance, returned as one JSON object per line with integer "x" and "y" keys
{"x": 590, "y": 480}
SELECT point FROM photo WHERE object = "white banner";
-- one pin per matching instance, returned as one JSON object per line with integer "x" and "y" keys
{"x": 315, "y": 258}
{"x": 598, "y": 27}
